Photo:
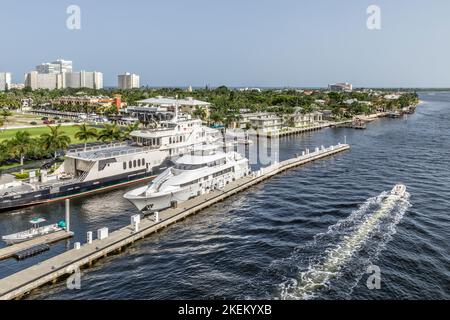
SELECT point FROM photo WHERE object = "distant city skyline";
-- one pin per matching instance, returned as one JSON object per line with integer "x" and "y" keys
{"x": 286, "y": 43}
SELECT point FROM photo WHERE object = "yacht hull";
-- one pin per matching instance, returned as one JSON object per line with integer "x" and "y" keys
{"x": 74, "y": 190}
{"x": 158, "y": 202}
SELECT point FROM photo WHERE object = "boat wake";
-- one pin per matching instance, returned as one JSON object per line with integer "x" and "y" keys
{"x": 339, "y": 258}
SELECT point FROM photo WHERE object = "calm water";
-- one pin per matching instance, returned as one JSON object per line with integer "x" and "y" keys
{"x": 262, "y": 243}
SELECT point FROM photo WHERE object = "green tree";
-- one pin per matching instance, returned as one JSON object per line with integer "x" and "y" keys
{"x": 85, "y": 133}
{"x": 55, "y": 140}
{"x": 110, "y": 132}
{"x": 4, "y": 114}
{"x": 20, "y": 144}
{"x": 129, "y": 129}
{"x": 199, "y": 113}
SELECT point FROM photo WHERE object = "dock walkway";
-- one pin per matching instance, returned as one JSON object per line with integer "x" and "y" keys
{"x": 10, "y": 251}
{"x": 23, "y": 282}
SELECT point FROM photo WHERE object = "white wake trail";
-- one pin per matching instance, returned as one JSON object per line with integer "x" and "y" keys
{"x": 377, "y": 218}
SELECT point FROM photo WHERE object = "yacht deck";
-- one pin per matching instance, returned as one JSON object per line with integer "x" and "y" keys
{"x": 107, "y": 152}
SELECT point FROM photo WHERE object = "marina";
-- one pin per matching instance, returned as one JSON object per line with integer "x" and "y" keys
{"x": 23, "y": 282}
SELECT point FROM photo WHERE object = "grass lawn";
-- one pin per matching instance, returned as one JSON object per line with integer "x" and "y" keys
{"x": 36, "y": 132}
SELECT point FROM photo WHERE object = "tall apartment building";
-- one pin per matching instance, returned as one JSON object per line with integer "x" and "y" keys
{"x": 5, "y": 81}
{"x": 83, "y": 79}
{"x": 59, "y": 74}
{"x": 128, "y": 81}
{"x": 58, "y": 66}
{"x": 36, "y": 80}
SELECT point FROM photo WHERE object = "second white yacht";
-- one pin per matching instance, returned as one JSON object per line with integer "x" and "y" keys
{"x": 203, "y": 170}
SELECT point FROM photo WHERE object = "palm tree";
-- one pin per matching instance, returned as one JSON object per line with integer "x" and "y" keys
{"x": 129, "y": 129}
{"x": 55, "y": 140}
{"x": 85, "y": 133}
{"x": 110, "y": 132}
{"x": 216, "y": 117}
{"x": 199, "y": 113}
{"x": 20, "y": 144}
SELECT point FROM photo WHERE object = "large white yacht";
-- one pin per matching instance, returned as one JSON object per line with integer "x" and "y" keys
{"x": 203, "y": 170}
{"x": 109, "y": 166}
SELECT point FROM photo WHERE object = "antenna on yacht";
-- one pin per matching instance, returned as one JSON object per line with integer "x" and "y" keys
{"x": 175, "y": 117}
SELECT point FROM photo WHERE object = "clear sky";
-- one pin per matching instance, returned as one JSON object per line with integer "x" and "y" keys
{"x": 234, "y": 42}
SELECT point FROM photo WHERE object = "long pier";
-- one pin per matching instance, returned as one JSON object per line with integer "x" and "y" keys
{"x": 49, "y": 271}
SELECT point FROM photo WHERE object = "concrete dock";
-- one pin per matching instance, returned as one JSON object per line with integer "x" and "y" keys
{"x": 49, "y": 271}
{"x": 294, "y": 131}
{"x": 10, "y": 251}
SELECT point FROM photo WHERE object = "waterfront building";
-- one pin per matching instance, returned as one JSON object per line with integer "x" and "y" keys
{"x": 341, "y": 87}
{"x": 128, "y": 81}
{"x": 5, "y": 81}
{"x": 101, "y": 101}
{"x": 266, "y": 122}
{"x": 186, "y": 105}
{"x": 392, "y": 96}
{"x": 301, "y": 120}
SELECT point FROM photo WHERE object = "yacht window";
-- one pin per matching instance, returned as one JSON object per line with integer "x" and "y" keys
{"x": 139, "y": 162}
{"x": 182, "y": 166}
{"x": 134, "y": 163}
{"x": 143, "y": 161}
{"x": 129, "y": 164}
{"x": 124, "y": 166}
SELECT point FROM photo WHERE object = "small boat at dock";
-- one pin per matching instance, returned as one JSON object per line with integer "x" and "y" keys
{"x": 35, "y": 231}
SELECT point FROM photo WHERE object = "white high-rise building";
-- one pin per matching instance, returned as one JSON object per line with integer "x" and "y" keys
{"x": 128, "y": 81}
{"x": 59, "y": 74}
{"x": 58, "y": 66}
{"x": 64, "y": 65}
{"x": 5, "y": 81}
{"x": 51, "y": 81}
{"x": 83, "y": 79}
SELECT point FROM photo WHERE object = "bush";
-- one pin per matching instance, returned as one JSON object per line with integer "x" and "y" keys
{"x": 21, "y": 175}
{"x": 33, "y": 123}
{"x": 44, "y": 118}
{"x": 66, "y": 120}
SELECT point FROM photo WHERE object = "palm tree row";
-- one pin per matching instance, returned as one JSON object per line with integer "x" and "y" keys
{"x": 22, "y": 145}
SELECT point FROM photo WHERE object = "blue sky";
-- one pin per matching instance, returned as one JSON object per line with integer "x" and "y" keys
{"x": 235, "y": 43}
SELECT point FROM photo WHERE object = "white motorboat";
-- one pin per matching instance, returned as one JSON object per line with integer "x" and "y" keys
{"x": 35, "y": 231}
{"x": 203, "y": 170}
{"x": 399, "y": 190}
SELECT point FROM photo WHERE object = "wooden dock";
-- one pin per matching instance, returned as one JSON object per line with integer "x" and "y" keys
{"x": 8, "y": 252}
{"x": 49, "y": 271}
